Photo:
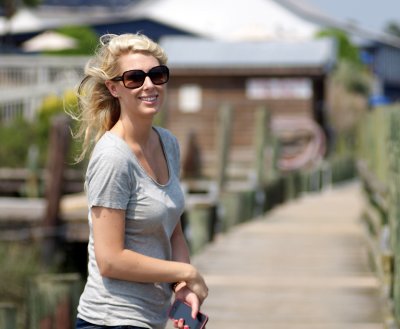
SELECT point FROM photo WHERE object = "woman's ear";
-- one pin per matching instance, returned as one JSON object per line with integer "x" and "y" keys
{"x": 112, "y": 88}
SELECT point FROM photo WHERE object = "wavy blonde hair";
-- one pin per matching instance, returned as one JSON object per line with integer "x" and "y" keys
{"x": 98, "y": 110}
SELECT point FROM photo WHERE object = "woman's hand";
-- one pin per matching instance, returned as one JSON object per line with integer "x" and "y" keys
{"x": 189, "y": 297}
{"x": 197, "y": 285}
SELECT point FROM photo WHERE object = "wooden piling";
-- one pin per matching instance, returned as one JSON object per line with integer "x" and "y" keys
{"x": 202, "y": 220}
{"x": 224, "y": 131}
{"x": 261, "y": 126}
{"x": 8, "y": 316}
{"x": 60, "y": 137}
{"x": 261, "y": 122}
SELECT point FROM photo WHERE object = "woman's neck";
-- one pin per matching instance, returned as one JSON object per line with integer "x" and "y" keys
{"x": 134, "y": 135}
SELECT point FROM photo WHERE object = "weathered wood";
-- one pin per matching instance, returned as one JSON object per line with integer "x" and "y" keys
{"x": 261, "y": 126}
{"x": 60, "y": 137}
{"x": 192, "y": 161}
{"x": 261, "y": 171}
{"x": 223, "y": 142}
{"x": 201, "y": 220}
{"x": 14, "y": 210}
{"x": 59, "y": 143}
{"x": 13, "y": 180}
{"x": 301, "y": 266}
{"x": 8, "y": 316}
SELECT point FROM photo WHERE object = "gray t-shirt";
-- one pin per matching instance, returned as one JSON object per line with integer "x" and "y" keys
{"x": 115, "y": 179}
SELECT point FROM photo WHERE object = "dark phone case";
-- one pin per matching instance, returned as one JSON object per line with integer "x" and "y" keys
{"x": 185, "y": 313}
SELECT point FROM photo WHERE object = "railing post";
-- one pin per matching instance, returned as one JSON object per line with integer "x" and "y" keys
{"x": 261, "y": 121}
{"x": 223, "y": 143}
{"x": 261, "y": 125}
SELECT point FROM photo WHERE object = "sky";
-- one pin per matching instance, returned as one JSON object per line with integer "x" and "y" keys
{"x": 372, "y": 14}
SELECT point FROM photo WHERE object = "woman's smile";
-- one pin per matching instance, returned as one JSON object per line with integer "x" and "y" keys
{"x": 149, "y": 99}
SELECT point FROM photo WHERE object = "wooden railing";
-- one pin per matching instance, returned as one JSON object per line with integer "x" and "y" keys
{"x": 379, "y": 171}
{"x": 26, "y": 80}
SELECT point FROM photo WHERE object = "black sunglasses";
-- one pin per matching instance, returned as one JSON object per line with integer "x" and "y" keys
{"x": 135, "y": 78}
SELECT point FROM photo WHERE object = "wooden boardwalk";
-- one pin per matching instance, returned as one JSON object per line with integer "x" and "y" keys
{"x": 303, "y": 265}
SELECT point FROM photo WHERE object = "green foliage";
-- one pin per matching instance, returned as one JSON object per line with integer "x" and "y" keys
{"x": 346, "y": 50}
{"x": 15, "y": 140}
{"x": 18, "y": 263}
{"x": 71, "y": 107}
{"x": 86, "y": 40}
{"x": 350, "y": 70}
{"x": 31, "y": 3}
{"x": 51, "y": 106}
{"x": 18, "y": 136}
{"x": 393, "y": 28}
{"x": 355, "y": 78}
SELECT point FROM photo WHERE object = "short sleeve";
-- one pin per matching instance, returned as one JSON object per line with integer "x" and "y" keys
{"x": 109, "y": 179}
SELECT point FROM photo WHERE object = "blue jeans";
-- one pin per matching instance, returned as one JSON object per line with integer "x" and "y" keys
{"x": 82, "y": 324}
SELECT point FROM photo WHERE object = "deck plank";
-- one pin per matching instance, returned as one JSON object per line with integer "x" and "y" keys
{"x": 302, "y": 265}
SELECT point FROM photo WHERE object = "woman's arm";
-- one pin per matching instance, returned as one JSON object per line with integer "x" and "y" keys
{"x": 180, "y": 253}
{"x": 180, "y": 250}
{"x": 114, "y": 261}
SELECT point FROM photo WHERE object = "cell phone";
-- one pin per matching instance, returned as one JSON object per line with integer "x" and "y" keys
{"x": 181, "y": 310}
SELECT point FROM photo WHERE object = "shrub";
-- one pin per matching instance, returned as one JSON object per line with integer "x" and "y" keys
{"x": 19, "y": 135}
{"x": 15, "y": 139}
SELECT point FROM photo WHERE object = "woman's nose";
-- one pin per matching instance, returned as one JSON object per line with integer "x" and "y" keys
{"x": 148, "y": 83}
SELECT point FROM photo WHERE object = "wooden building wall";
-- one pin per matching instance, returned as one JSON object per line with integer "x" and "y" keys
{"x": 216, "y": 91}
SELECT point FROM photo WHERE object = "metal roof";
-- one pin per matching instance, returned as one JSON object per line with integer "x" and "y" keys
{"x": 188, "y": 52}
{"x": 228, "y": 20}
{"x": 360, "y": 34}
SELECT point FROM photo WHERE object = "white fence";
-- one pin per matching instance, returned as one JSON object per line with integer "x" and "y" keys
{"x": 26, "y": 80}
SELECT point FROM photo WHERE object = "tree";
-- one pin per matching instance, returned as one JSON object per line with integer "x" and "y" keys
{"x": 350, "y": 71}
{"x": 346, "y": 50}
{"x": 86, "y": 39}
{"x": 393, "y": 28}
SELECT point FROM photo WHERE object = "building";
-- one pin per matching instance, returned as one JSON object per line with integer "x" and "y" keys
{"x": 249, "y": 35}
{"x": 286, "y": 78}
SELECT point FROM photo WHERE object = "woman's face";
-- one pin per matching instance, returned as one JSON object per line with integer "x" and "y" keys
{"x": 144, "y": 101}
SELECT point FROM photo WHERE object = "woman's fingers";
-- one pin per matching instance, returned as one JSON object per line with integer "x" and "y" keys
{"x": 180, "y": 324}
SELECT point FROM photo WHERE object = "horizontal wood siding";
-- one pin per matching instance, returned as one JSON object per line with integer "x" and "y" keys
{"x": 218, "y": 90}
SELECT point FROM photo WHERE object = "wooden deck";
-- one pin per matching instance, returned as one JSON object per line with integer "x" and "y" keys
{"x": 302, "y": 266}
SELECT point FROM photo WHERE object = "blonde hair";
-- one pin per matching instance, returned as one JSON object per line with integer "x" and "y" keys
{"x": 98, "y": 110}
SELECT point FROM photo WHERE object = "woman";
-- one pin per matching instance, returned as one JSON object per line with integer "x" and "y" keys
{"x": 137, "y": 252}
